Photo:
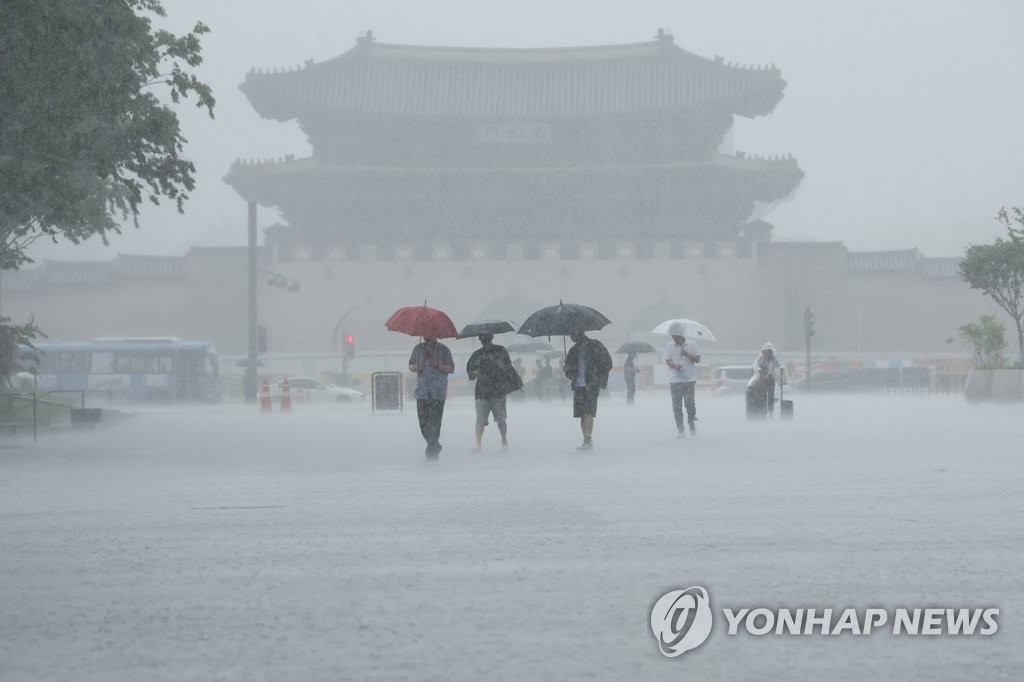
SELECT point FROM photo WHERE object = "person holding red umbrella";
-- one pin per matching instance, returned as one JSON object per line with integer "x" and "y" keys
{"x": 432, "y": 362}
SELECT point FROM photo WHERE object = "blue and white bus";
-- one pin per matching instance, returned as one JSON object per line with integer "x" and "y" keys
{"x": 162, "y": 369}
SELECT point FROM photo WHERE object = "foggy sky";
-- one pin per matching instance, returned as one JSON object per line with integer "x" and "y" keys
{"x": 906, "y": 116}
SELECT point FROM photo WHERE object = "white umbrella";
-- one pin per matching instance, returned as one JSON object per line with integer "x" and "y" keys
{"x": 693, "y": 329}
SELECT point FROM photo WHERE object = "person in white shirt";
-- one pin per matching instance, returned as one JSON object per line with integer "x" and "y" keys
{"x": 682, "y": 356}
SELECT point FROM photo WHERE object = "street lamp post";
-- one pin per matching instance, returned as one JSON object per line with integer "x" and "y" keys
{"x": 250, "y": 382}
{"x": 249, "y": 386}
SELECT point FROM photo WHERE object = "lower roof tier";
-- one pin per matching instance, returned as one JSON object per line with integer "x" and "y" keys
{"x": 713, "y": 198}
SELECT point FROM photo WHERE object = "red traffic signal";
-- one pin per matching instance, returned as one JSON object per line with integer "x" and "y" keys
{"x": 350, "y": 345}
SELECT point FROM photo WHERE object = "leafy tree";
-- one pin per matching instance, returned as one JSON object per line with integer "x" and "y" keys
{"x": 998, "y": 270}
{"x": 84, "y": 139}
{"x": 988, "y": 338}
{"x": 11, "y": 337}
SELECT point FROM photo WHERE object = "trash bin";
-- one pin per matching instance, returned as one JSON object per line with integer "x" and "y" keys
{"x": 386, "y": 391}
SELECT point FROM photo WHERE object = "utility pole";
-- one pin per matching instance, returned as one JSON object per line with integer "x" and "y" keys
{"x": 808, "y": 333}
{"x": 249, "y": 385}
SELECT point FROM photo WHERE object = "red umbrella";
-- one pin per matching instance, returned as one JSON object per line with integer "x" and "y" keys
{"x": 422, "y": 321}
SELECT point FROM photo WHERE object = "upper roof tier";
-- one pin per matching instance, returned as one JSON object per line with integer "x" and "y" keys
{"x": 411, "y": 80}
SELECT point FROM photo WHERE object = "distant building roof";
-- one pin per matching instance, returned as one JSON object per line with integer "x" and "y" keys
{"x": 151, "y": 266}
{"x": 940, "y": 268}
{"x": 77, "y": 272}
{"x": 447, "y": 81}
{"x": 17, "y": 280}
{"x": 87, "y": 273}
{"x": 904, "y": 260}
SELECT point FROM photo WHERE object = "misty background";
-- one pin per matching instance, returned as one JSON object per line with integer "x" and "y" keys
{"x": 906, "y": 117}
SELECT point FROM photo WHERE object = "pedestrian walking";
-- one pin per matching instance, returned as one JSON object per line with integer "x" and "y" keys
{"x": 491, "y": 368}
{"x": 682, "y": 355}
{"x": 432, "y": 362}
{"x": 587, "y": 365}
{"x": 629, "y": 372}
{"x": 517, "y": 364}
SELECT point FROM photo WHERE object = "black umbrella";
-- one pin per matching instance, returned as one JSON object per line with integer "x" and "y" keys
{"x": 486, "y": 327}
{"x": 636, "y": 347}
{"x": 562, "y": 320}
{"x": 529, "y": 347}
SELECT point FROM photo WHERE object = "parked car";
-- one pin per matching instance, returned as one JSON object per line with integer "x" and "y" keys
{"x": 731, "y": 379}
{"x": 827, "y": 381}
{"x": 316, "y": 391}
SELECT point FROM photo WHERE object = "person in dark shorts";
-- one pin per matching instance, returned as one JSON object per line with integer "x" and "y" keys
{"x": 495, "y": 378}
{"x": 587, "y": 365}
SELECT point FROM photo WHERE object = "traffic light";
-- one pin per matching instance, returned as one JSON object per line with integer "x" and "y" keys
{"x": 808, "y": 324}
{"x": 350, "y": 345}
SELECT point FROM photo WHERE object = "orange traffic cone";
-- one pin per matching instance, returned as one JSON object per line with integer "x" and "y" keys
{"x": 286, "y": 396}
{"x": 265, "y": 404}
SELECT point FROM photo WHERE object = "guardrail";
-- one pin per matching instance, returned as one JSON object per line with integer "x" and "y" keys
{"x": 83, "y": 417}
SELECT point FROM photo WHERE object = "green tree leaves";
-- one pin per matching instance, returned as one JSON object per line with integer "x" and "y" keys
{"x": 988, "y": 338}
{"x": 12, "y": 338}
{"x": 84, "y": 139}
{"x": 998, "y": 270}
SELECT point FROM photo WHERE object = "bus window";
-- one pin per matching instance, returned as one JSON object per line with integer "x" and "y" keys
{"x": 143, "y": 363}
{"x": 102, "y": 362}
{"x": 147, "y": 369}
{"x": 161, "y": 364}
{"x": 48, "y": 362}
{"x": 70, "y": 362}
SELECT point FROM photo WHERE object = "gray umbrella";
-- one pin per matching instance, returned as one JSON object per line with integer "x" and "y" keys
{"x": 563, "y": 319}
{"x": 636, "y": 347}
{"x": 486, "y": 327}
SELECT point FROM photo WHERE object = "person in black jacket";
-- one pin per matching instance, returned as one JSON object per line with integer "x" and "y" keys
{"x": 495, "y": 378}
{"x": 587, "y": 365}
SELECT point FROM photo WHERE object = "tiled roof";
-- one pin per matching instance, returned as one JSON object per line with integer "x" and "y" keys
{"x": 291, "y": 167}
{"x": 77, "y": 273}
{"x": 883, "y": 261}
{"x": 940, "y": 268}
{"x": 443, "y": 81}
{"x": 151, "y": 266}
{"x": 905, "y": 260}
{"x": 17, "y": 280}
{"x": 767, "y": 179}
{"x": 84, "y": 273}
